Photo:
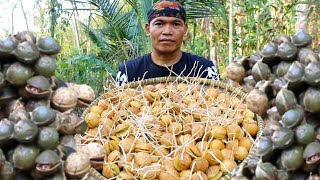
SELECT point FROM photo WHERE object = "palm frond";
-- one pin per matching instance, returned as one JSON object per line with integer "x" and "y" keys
{"x": 93, "y": 61}
{"x": 206, "y": 8}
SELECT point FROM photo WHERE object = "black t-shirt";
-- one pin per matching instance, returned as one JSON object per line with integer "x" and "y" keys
{"x": 143, "y": 67}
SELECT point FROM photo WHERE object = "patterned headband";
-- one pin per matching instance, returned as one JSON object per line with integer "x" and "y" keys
{"x": 168, "y": 8}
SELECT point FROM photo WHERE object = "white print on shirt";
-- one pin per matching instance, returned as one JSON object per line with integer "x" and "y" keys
{"x": 213, "y": 73}
{"x": 121, "y": 78}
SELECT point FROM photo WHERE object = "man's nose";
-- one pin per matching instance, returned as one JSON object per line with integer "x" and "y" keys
{"x": 167, "y": 29}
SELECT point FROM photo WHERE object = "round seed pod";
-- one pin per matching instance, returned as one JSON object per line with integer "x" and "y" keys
{"x": 244, "y": 61}
{"x": 264, "y": 146}
{"x": 273, "y": 114}
{"x": 26, "y": 52}
{"x": 311, "y": 100}
{"x": 43, "y": 115}
{"x": 282, "y": 138}
{"x": 45, "y": 66}
{"x": 18, "y": 74}
{"x": 307, "y": 55}
{"x": 312, "y": 74}
{"x": 7, "y": 46}
{"x": 235, "y": 72}
{"x": 287, "y": 51}
{"x": 261, "y": 71}
{"x": 265, "y": 171}
{"x": 77, "y": 165}
{"x": 292, "y": 158}
{"x": 48, "y": 45}
{"x": 292, "y": 117}
{"x": 18, "y": 114}
{"x": 301, "y": 39}
{"x": 295, "y": 73}
{"x": 283, "y": 68}
{"x": 281, "y": 38}
{"x": 257, "y": 101}
{"x": 266, "y": 87}
{"x": 305, "y": 134}
{"x": 254, "y": 58}
{"x": 228, "y": 165}
{"x": 200, "y": 164}
{"x": 24, "y": 157}
{"x": 248, "y": 83}
{"x": 278, "y": 84}
{"x": 6, "y": 131}
{"x": 269, "y": 52}
{"x": 252, "y": 163}
{"x": 182, "y": 161}
{"x": 25, "y": 131}
{"x": 270, "y": 127}
{"x": 25, "y": 36}
{"x": 48, "y": 138}
{"x": 285, "y": 100}
{"x": 311, "y": 153}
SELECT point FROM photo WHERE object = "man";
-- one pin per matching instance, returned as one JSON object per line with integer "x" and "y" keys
{"x": 166, "y": 28}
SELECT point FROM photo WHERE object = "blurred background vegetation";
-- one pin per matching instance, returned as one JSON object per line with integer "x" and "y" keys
{"x": 97, "y": 35}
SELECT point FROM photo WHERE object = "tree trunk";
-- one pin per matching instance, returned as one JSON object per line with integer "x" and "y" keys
{"x": 302, "y": 17}
{"x": 315, "y": 23}
{"x": 12, "y": 21}
{"x": 76, "y": 30}
{"x": 24, "y": 15}
{"x": 239, "y": 22}
{"x": 53, "y": 18}
{"x": 213, "y": 53}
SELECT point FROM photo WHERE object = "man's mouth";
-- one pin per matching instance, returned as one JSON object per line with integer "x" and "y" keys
{"x": 166, "y": 40}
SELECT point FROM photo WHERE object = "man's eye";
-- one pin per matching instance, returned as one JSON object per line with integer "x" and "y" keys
{"x": 158, "y": 24}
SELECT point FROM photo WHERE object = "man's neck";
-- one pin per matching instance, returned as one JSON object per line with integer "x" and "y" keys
{"x": 166, "y": 59}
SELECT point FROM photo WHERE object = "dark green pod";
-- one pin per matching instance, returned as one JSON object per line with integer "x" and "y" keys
{"x": 282, "y": 138}
{"x": 311, "y": 99}
{"x": 285, "y": 100}
{"x": 292, "y": 117}
{"x": 301, "y": 39}
{"x": 292, "y": 158}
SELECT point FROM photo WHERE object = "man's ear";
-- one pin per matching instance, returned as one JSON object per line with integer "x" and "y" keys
{"x": 186, "y": 25}
{"x": 147, "y": 28}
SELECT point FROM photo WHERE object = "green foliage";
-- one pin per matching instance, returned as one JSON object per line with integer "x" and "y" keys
{"x": 85, "y": 70}
{"x": 261, "y": 20}
{"x": 115, "y": 33}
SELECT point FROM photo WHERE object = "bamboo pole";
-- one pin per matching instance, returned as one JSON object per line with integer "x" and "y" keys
{"x": 231, "y": 30}
{"x": 257, "y": 16}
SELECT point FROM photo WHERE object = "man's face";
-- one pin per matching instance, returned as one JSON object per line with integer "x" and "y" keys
{"x": 166, "y": 33}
